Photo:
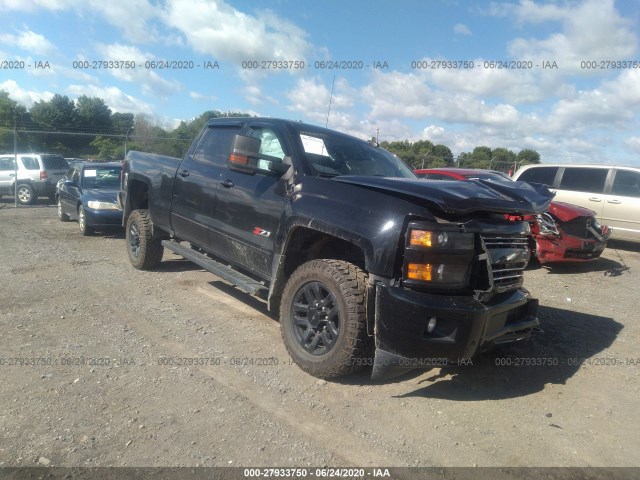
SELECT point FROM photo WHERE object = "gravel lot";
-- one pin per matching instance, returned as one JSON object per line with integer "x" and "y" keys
{"x": 91, "y": 349}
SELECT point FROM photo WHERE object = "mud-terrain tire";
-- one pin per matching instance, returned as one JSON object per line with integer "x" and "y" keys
{"x": 145, "y": 251}
{"x": 63, "y": 217}
{"x": 323, "y": 320}
{"x": 26, "y": 194}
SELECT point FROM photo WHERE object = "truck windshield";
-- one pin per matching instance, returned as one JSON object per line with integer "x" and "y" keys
{"x": 330, "y": 155}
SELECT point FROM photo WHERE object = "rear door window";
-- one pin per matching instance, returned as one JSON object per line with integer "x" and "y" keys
{"x": 215, "y": 145}
{"x": 54, "y": 162}
{"x": 30, "y": 163}
{"x": 544, "y": 175}
{"x": 584, "y": 179}
{"x": 626, "y": 183}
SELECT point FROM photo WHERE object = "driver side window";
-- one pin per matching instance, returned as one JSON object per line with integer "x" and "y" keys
{"x": 270, "y": 146}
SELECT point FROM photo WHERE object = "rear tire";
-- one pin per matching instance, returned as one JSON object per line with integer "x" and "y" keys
{"x": 323, "y": 319}
{"x": 26, "y": 195}
{"x": 145, "y": 251}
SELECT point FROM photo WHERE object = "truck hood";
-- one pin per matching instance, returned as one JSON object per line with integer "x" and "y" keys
{"x": 463, "y": 197}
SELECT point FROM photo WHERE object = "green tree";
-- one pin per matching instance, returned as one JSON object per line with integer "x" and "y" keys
{"x": 442, "y": 155}
{"x": 59, "y": 114}
{"x": 528, "y": 156}
{"x": 93, "y": 115}
{"x": 121, "y": 123}
{"x": 12, "y": 114}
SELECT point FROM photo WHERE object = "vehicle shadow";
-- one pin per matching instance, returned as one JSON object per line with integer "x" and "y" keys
{"x": 609, "y": 267}
{"x": 623, "y": 246}
{"x": 570, "y": 340}
{"x": 178, "y": 264}
{"x": 260, "y": 305}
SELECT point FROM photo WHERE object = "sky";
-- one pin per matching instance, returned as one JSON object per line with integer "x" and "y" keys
{"x": 560, "y": 77}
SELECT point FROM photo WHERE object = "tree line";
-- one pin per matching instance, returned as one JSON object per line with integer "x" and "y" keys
{"x": 424, "y": 154}
{"x": 87, "y": 128}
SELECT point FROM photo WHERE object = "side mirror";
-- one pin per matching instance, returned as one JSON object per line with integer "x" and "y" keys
{"x": 244, "y": 154}
{"x": 70, "y": 183}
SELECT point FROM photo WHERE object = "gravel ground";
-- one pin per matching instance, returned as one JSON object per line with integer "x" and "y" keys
{"x": 91, "y": 375}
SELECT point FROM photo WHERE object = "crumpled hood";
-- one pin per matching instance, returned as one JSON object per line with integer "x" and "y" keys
{"x": 566, "y": 212}
{"x": 464, "y": 197}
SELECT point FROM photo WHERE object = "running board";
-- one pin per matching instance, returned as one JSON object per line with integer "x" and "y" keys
{"x": 235, "y": 278}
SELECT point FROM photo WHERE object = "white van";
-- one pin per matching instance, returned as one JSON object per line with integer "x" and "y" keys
{"x": 612, "y": 192}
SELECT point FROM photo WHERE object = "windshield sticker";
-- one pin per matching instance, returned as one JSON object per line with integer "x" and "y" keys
{"x": 90, "y": 173}
{"x": 313, "y": 145}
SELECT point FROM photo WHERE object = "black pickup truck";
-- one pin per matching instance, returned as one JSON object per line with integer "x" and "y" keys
{"x": 366, "y": 264}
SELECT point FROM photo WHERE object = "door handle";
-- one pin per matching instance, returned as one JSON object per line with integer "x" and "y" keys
{"x": 595, "y": 199}
{"x": 183, "y": 173}
{"x": 615, "y": 202}
{"x": 12, "y": 174}
{"x": 227, "y": 183}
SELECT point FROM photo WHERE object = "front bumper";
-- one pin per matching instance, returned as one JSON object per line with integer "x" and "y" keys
{"x": 463, "y": 326}
{"x": 567, "y": 248}
{"x": 103, "y": 218}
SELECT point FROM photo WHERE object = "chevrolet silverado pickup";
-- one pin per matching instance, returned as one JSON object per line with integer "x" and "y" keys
{"x": 366, "y": 264}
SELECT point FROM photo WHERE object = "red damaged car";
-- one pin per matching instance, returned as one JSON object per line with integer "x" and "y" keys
{"x": 565, "y": 233}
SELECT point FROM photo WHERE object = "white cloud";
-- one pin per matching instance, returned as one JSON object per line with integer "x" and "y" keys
{"x": 150, "y": 82}
{"x": 212, "y": 27}
{"x": 115, "y": 98}
{"x": 311, "y": 97}
{"x": 633, "y": 143}
{"x": 591, "y": 30}
{"x": 22, "y": 96}
{"x": 461, "y": 29}
{"x": 131, "y": 16}
{"x": 29, "y": 41}
{"x": 201, "y": 97}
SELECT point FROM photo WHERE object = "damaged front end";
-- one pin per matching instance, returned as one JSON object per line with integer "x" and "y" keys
{"x": 568, "y": 233}
{"x": 461, "y": 290}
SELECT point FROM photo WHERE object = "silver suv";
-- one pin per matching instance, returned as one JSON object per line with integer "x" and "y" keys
{"x": 38, "y": 174}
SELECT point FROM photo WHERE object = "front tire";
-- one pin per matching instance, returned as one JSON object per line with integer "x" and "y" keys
{"x": 82, "y": 222}
{"x": 145, "y": 251}
{"x": 323, "y": 320}
{"x": 26, "y": 195}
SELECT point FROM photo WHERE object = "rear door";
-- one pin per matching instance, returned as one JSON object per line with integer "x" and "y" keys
{"x": 194, "y": 192}
{"x": 621, "y": 206}
{"x": 249, "y": 207}
{"x": 583, "y": 186}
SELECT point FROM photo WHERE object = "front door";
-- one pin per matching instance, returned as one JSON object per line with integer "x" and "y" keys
{"x": 250, "y": 207}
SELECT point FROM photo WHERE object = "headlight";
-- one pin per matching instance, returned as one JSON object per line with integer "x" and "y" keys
{"x": 438, "y": 258}
{"x": 102, "y": 205}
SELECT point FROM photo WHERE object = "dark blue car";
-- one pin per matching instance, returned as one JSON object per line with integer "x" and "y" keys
{"x": 88, "y": 193}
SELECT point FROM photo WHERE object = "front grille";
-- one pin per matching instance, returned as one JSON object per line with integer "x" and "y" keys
{"x": 508, "y": 258}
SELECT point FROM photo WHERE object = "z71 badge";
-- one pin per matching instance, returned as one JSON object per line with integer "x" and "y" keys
{"x": 263, "y": 233}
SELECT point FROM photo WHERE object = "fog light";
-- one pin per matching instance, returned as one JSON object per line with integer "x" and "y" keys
{"x": 432, "y": 324}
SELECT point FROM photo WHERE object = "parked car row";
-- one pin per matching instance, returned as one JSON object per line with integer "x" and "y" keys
{"x": 565, "y": 233}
